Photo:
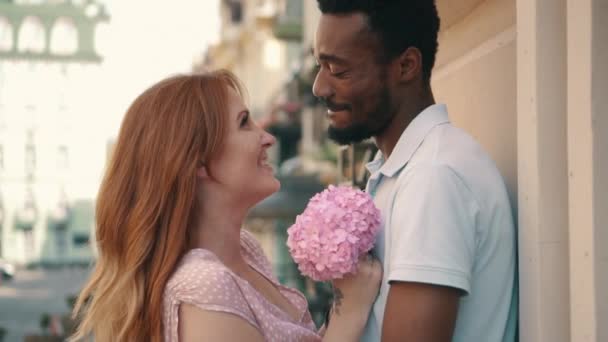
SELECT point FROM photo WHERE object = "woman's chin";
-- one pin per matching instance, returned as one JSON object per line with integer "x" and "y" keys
{"x": 266, "y": 189}
{"x": 276, "y": 186}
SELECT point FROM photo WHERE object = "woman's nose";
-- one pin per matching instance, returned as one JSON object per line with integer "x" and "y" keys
{"x": 268, "y": 139}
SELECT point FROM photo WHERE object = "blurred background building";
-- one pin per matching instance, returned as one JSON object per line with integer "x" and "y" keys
{"x": 50, "y": 156}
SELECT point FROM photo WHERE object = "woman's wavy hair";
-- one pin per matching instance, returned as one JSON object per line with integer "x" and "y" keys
{"x": 147, "y": 202}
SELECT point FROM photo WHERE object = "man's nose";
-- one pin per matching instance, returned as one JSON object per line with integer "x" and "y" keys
{"x": 321, "y": 88}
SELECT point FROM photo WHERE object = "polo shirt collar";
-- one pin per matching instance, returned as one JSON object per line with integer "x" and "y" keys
{"x": 410, "y": 140}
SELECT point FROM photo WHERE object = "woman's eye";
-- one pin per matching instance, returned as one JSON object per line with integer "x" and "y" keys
{"x": 245, "y": 120}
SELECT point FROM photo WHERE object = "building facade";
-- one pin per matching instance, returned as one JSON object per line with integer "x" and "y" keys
{"x": 51, "y": 151}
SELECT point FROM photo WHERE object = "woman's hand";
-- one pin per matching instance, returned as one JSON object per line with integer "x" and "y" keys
{"x": 354, "y": 296}
{"x": 357, "y": 292}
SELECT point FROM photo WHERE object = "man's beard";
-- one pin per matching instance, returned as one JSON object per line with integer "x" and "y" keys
{"x": 352, "y": 134}
{"x": 375, "y": 122}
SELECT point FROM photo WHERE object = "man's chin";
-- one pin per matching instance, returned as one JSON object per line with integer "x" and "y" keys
{"x": 346, "y": 136}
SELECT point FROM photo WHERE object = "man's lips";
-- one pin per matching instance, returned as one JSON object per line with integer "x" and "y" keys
{"x": 337, "y": 108}
{"x": 334, "y": 107}
{"x": 333, "y": 112}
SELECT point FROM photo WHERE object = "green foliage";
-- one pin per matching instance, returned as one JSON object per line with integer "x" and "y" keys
{"x": 2, "y": 333}
{"x": 71, "y": 301}
{"x": 329, "y": 152}
{"x": 45, "y": 321}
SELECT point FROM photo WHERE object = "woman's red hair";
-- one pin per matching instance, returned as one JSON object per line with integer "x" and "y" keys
{"x": 146, "y": 204}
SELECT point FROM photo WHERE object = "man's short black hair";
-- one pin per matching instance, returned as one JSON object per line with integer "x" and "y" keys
{"x": 398, "y": 23}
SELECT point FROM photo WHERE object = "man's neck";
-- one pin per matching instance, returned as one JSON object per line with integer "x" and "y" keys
{"x": 387, "y": 140}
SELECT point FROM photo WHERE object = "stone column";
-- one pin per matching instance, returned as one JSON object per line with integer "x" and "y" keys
{"x": 542, "y": 170}
{"x": 588, "y": 168}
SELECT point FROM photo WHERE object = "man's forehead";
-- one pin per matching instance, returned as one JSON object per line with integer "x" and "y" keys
{"x": 341, "y": 31}
{"x": 355, "y": 19}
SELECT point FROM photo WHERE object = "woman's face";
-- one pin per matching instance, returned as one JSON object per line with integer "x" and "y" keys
{"x": 241, "y": 167}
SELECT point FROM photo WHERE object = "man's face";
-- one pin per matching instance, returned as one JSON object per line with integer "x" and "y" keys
{"x": 351, "y": 81}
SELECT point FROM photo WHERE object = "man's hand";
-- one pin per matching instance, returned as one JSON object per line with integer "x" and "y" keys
{"x": 420, "y": 312}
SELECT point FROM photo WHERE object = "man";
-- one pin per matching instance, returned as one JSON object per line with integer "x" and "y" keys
{"x": 448, "y": 243}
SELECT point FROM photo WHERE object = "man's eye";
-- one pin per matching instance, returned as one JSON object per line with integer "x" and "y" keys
{"x": 341, "y": 74}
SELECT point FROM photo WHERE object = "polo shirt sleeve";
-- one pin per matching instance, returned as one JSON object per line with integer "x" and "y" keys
{"x": 432, "y": 228}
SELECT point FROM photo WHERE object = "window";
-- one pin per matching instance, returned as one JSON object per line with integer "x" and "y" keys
{"x": 236, "y": 11}
{"x": 6, "y": 35}
{"x": 62, "y": 158}
{"x": 80, "y": 239}
{"x": 30, "y": 156}
{"x": 30, "y": 161}
{"x": 294, "y": 9}
{"x": 64, "y": 37}
{"x": 32, "y": 36}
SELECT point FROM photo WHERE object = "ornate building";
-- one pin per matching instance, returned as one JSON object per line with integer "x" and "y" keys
{"x": 50, "y": 155}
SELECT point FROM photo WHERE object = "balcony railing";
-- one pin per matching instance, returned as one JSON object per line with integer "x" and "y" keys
{"x": 288, "y": 25}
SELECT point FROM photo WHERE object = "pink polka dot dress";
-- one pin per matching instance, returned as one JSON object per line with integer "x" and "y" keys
{"x": 203, "y": 281}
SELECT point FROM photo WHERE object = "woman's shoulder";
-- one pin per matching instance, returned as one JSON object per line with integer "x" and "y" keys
{"x": 202, "y": 281}
{"x": 199, "y": 273}
{"x": 202, "y": 276}
{"x": 256, "y": 253}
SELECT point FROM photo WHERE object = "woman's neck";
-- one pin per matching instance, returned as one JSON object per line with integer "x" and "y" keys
{"x": 218, "y": 230}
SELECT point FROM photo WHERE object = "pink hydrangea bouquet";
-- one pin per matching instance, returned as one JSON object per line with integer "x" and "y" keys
{"x": 338, "y": 225}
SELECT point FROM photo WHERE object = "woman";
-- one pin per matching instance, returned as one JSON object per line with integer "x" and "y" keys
{"x": 174, "y": 264}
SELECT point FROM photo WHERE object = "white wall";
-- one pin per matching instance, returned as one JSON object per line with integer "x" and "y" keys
{"x": 481, "y": 97}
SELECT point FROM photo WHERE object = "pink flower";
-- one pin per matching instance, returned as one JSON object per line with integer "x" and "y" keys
{"x": 337, "y": 226}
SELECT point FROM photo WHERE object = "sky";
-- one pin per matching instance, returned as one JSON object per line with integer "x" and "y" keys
{"x": 145, "y": 41}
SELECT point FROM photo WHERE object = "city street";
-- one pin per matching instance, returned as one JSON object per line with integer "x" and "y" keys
{"x": 33, "y": 292}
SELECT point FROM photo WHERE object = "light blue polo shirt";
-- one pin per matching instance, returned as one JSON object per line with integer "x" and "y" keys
{"x": 447, "y": 221}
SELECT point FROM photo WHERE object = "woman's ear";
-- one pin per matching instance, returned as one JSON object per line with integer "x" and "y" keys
{"x": 202, "y": 173}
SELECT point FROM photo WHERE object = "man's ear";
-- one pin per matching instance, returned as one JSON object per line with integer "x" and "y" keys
{"x": 202, "y": 173}
{"x": 410, "y": 64}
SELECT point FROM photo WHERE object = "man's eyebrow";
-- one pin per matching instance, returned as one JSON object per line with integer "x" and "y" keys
{"x": 329, "y": 58}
